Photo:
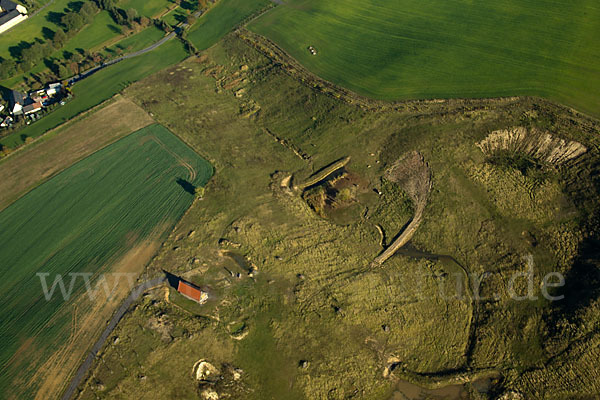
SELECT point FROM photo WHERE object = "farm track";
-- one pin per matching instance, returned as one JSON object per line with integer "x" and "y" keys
{"x": 89, "y": 360}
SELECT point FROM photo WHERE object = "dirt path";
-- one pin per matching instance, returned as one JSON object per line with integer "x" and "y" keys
{"x": 89, "y": 360}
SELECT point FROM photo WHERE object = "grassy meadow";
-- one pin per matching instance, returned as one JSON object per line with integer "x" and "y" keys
{"x": 102, "y": 29}
{"x": 317, "y": 321}
{"x": 101, "y": 86}
{"x": 447, "y": 49}
{"x": 84, "y": 220}
{"x": 221, "y": 19}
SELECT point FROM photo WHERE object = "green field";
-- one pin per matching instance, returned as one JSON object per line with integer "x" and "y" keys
{"x": 103, "y": 28}
{"x": 81, "y": 221}
{"x": 147, "y": 8}
{"x": 453, "y": 48}
{"x": 101, "y": 86}
{"x": 221, "y": 19}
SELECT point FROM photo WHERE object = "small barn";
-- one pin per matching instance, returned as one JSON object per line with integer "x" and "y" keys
{"x": 192, "y": 292}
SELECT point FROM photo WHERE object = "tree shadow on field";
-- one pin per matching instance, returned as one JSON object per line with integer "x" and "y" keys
{"x": 55, "y": 17}
{"x": 47, "y": 33}
{"x": 187, "y": 186}
{"x": 75, "y": 5}
{"x": 17, "y": 50}
{"x": 115, "y": 29}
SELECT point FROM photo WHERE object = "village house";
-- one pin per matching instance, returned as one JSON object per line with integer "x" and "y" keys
{"x": 16, "y": 102}
{"x": 25, "y": 104}
{"x": 11, "y": 14}
{"x": 32, "y": 108}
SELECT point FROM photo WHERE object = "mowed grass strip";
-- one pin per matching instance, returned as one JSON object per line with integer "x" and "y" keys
{"x": 221, "y": 19}
{"x": 100, "y": 87}
{"x": 447, "y": 48}
{"x": 82, "y": 220}
{"x": 136, "y": 42}
{"x": 68, "y": 144}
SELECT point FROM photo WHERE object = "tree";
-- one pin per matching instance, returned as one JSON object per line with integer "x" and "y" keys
{"x": 72, "y": 21}
{"x": 190, "y": 20}
{"x": 106, "y": 4}
{"x": 163, "y": 25}
{"x": 7, "y": 68}
{"x": 36, "y": 52}
{"x": 88, "y": 10}
{"x": 76, "y": 57}
{"x": 59, "y": 39}
{"x": 61, "y": 71}
{"x": 131, "y": 14}
{"x": 144, "y": 21}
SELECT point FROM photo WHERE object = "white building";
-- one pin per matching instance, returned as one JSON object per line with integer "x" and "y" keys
{"x": 53, "y": 88}
{"x": 11, "y": 14}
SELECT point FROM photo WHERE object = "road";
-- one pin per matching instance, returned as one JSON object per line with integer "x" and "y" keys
{"x": 89, "y": 360}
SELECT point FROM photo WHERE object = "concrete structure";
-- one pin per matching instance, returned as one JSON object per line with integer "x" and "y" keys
{"x": 11, "y": 14}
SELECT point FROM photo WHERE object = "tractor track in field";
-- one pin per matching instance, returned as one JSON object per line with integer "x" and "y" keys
{"x": 182, "y": 162}
{"x": 192, "y": 172}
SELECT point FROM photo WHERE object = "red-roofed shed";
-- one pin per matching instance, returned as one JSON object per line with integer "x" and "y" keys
{"x": 192, "y": 292}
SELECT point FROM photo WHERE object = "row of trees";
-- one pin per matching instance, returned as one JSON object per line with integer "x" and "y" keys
{"x": 70, "y": 24}
{"x": 122, "y": 17}
{"x": 40, "y": 49}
